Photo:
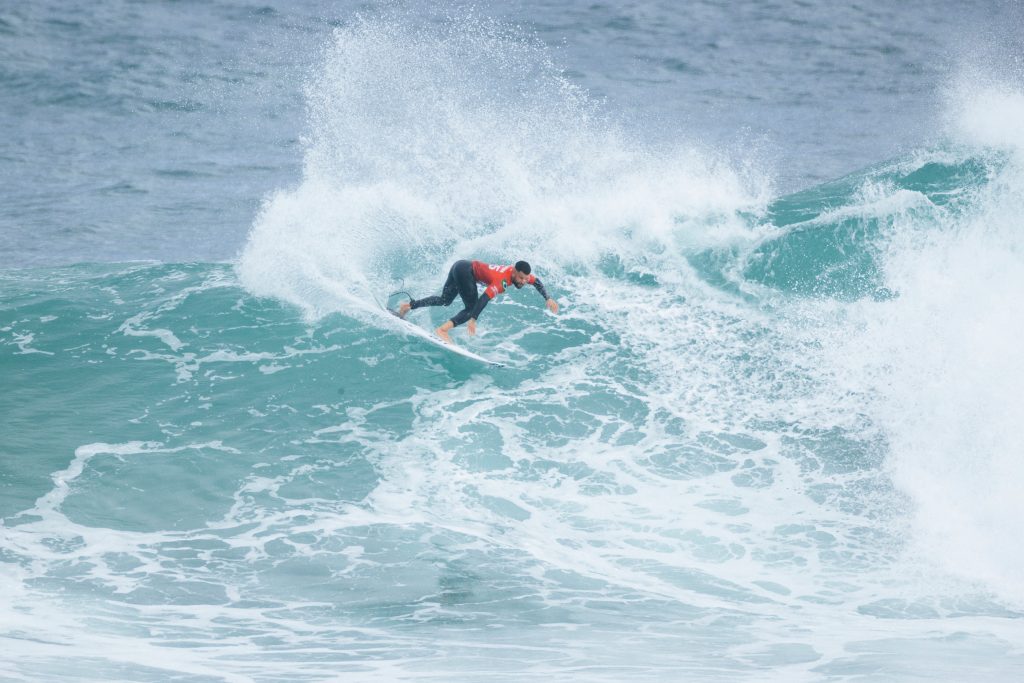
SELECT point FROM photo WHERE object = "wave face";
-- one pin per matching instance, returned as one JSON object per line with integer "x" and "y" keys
{"x": 766, "y": 437}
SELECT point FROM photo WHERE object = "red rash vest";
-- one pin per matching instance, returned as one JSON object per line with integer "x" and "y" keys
{"x": 496, "y": 277}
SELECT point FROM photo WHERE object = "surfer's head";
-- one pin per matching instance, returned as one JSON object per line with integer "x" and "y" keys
{"x": 521, "y": 273}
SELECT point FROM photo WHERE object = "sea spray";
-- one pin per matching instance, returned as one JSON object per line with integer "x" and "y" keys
{"x": 939, "y": 362}
{"x": 463, "y": 139}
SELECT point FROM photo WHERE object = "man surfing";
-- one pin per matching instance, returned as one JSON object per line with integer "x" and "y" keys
{"x": 462, "y": 279}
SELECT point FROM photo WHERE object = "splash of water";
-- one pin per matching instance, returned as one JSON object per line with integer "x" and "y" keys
{"x": 464, "y": 139}
{"x": 940, "y": 363}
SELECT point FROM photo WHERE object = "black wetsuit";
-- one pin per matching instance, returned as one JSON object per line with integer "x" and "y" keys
{"x": 462, "y": 281}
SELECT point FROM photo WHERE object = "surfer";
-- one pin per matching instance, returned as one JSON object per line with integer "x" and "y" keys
{"x": 462, "y": 279}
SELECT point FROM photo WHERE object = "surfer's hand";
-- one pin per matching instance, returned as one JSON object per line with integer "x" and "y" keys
{"x": 552, "y": 305}
{"x": 404, "y": 308}
{"x": 471, "y": 326}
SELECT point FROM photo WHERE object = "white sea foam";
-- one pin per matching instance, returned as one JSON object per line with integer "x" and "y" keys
{"x": 940, "y": 364}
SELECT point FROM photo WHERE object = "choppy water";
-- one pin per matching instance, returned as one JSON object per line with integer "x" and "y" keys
{"x": 774, "y": 433}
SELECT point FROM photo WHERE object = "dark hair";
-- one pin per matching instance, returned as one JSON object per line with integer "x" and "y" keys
{"x": 523, "y": 267}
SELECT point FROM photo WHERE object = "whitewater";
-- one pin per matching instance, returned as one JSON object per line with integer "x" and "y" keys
{"x": 774, "y": 432}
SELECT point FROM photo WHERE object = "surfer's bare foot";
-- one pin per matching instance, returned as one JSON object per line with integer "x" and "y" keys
{"x": 404, "y": 308}
{"x": 443, "y": 334}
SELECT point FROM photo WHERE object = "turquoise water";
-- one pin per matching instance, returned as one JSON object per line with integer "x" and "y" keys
{"x": 773, "y": 433}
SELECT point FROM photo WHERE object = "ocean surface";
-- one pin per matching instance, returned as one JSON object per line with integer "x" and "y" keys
{"x": 774, "y": 434}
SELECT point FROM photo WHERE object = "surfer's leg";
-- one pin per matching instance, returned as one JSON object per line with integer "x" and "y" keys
{"x": 453, "y": 285}
{"x": 466, "y": 283}
{"x": 448, "y": 292}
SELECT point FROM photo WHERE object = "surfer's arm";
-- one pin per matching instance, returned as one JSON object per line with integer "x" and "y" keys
{"x": 552, "y": 304}
{"x": 478, "y": 309}
{"x": 467, "y": 314}
{"x": 481, "y": 302}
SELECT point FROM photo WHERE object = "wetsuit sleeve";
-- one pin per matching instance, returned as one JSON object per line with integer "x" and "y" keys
{"x": 464, "y": 315}
{"x": 540, "y": 288}
{"x": 480, "y": 303}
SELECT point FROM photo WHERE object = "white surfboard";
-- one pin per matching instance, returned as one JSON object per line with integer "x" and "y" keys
{"x": 436, "y": 341}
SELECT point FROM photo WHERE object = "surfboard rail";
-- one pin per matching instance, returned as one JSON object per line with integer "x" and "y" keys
{"x": 418, "y": 331}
